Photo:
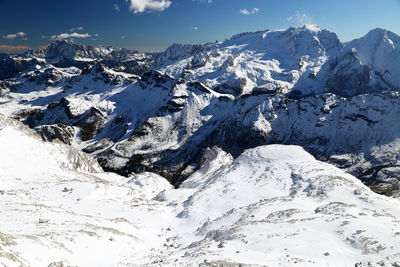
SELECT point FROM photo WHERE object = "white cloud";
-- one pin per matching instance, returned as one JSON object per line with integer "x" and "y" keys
{"x": 14, "y": 35}
{"x": 139, "y": 6}
{"x": 300, "y": 18}
{"x": 80, "y": 28}
{"x": 195, "y": 28}
{"x": 123, "y": 37}
{"x": 70, "y": 35}
{"x": 116, "y": 7}
{"x": 249, "y": 11}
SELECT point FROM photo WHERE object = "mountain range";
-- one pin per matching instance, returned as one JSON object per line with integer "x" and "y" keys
{"x": 298, "y": 86}
{"x": 265, "y": 137}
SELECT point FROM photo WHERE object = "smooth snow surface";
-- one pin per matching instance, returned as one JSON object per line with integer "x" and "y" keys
{"x": 272, "y": 206}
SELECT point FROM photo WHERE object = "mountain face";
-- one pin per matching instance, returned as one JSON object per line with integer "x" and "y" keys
{"x": 137, "y": 112}
{"x": 272, "y": 204}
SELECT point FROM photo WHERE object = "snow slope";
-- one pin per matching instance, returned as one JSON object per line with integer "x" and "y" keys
{"x": 273, "y": 205}
{"x": 57, "y": 206}
{"x": 277, "y": 206}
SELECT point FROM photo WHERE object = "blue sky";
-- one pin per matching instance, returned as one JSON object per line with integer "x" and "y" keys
{"x": 153, "y": 25}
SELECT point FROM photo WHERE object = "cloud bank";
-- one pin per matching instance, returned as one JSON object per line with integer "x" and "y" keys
{"x": 71, "y": 35}
{"x": 140, "y": 6}
{"x": 15, "y": 35}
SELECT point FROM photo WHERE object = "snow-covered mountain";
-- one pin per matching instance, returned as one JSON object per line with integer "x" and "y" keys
{"x": 299, "y": 86}
{"x": 64, "y": 53}
{"x": 265, "y": 61}
{"x": 300, "y": 61}
{"x": 379, "y": 49}
{"x": 272, "y": 204}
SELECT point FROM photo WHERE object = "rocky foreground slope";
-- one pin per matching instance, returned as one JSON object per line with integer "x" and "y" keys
{"x": 273, "y": 205}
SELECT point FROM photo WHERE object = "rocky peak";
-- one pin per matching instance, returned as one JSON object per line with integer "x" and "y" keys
{"x": 57, "y": 49}
{"x": 375, "y": 41}
{"x": 379, "y": 49}
{"x": 378, "y": 35}
{"x": 95, "y": 68}
{"x": 178, "y": 51}
{"x": 312, "y": 40}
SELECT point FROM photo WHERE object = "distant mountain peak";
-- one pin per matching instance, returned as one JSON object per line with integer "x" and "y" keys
{"x": 312, "y": 27}
{"x": 377, "y": 31}
{"x": 378, "y": 35}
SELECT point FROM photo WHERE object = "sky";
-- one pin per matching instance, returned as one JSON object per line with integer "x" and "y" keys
{"x": 153, "y": 25}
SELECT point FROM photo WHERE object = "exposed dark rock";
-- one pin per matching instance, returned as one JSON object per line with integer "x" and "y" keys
{"x": 59, "y": 131}
{"x": 92, "y": 124}
{"x": 63, "y": 104}
{"x": 156, "y": 77}
{"x": 33, "y": 117}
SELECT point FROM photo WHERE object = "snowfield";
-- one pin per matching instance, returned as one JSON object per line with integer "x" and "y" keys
{"x": 57, "y": 205}
{"x": 273, "y": 205}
